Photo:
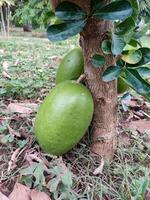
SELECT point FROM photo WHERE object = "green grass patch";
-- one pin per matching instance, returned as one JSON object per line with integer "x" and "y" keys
{"x": 28, "y": 66}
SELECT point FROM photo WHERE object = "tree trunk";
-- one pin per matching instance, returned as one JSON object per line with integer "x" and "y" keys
{"x": 104, "y": 133}
{"x": 103, "y": 129}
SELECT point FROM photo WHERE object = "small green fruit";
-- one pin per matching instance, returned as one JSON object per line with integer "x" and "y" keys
{"x": 121, "y": 86}
{"x": 71, "y": 67}
{"x": 63, "y": 117}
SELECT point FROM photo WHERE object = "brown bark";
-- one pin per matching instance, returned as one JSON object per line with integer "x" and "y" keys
{"x": 104, "y": 133}
{"x": 103, "y": 130}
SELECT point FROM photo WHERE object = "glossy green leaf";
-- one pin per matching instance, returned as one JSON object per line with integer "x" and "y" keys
{"x": 68, "y": 11}
{"x": 145, "y": 57}
{"x": 95, "y": 4}
{"x": 114, "y": 11}
{"x": 112, "y": 73}
{"x": 135, "y": 7}
{"x": 63, "y": 31}
{"x": 98, "y": 60}
{"x": 132, "y": 56}
{"x": 106, "y": 47}
{"x": 137, "y": 82}
{"x": 117, "y": 44}
{"x": 132, "y": 45}
{"x": 144, "y": 72}
{"x": 126, "y": 26}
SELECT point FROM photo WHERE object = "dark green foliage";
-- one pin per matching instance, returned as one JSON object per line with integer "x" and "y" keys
{"x": 63, "y": 31}
{"x": 98, "y": 60}
{"x": 36, "y": 13}
{"x": 122, "y": 43}
{"x": 67, "y": 12}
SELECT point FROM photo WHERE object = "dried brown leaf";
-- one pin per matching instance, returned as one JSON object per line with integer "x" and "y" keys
{"x": 140, "y": 125}
{"x": 23, "y": 108}
{"x": 3, "y": 197}
{"x": 36, "y": 195}
{"x": 20, "y": 192}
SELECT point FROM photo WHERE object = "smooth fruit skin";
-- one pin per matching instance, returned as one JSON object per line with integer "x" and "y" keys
{"x": 63, "y": 117}
{"x": 71, "y": 67}
{"x": 121, "y": 86}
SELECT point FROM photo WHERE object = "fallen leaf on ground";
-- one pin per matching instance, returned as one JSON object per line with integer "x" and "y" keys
{"x": 3, "y": 197}
{"x": 20, "y": 192}
{"x": 131, "y": 103}
{"x": 36, "y": 195}
{"x": 140, "y": 125}
{"x": 23, "y": 108}
{"x": 99, "y": 170}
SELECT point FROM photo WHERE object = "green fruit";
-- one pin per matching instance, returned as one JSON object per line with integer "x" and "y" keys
{"x": 63, "y": 117}
{"x": 121, "y": 86}
{"x": 71, "y": 67}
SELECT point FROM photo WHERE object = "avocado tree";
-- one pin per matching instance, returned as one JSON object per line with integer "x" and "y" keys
{"x": 111, "y": 50}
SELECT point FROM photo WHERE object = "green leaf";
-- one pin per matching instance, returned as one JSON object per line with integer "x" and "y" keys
{"x": 144, "y": 72}
{"x": 137, "y": 82}
{"x": 135, "y": 7}
{"x": 132, "y": 45}
{"x": 67, "y": 179}
{"x": 145, "y": 57}
{"x": 132, "y": 56}
{"x": 126, "y": 26}
{"x": 7, "y": 139}
{"x": 112, "y": 73}
{"x": 98, "y": 60}
{"x": 68, "y": 11}
{"x": 53, "y": 184}
{"x": 114, "y": 11}
{"x": 106, "y": 47}
{"x": 63, "y": 31}
{"x": 117, "y": 44}
{"x": 37, "y": 170}
{"x": 22, "y": 143}
{"x": 95, "y": 4}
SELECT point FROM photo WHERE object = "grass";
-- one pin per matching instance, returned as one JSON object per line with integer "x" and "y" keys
{"x": 30, "y": 65}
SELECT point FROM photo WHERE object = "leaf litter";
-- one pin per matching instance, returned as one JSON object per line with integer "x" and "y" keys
{"x": 77, "y": 175}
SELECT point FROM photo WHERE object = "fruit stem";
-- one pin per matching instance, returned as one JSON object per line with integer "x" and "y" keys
{"x": 81, "y": 78}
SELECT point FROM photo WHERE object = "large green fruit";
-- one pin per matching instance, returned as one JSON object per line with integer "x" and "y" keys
{"x": 64, "y": 117}
{"x": 71, "y": 67}
{"x": 121, "y": 86}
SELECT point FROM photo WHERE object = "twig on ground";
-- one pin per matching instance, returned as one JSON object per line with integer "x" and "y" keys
{"x": 11, "y": 164}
